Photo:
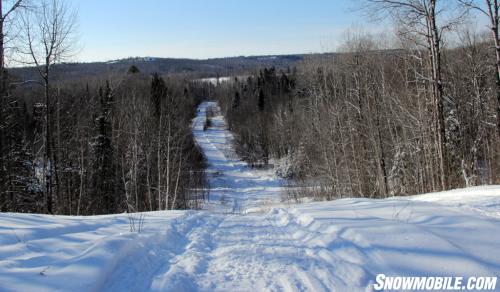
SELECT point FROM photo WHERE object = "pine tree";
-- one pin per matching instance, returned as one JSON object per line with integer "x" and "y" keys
{"x": 236, "y": 100}
{"x": 262, "y": 100}
{"x": 103, "y": 163}
{"x": 158, "y": 92}
{"x": 22, "y": 192}
{"x": 133, "y": 70}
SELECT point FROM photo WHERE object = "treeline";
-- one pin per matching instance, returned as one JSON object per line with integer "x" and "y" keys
{"x": 179, "y": 67}
{"x": 249, "y": 105}
{"x": 113, "y": 146}
{"x": 365, "y": 122}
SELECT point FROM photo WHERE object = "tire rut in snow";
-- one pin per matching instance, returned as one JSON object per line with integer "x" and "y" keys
{"x": 235, "y": 186}
{"x": 138, "y": 263}
{"x": 182, "y": 272}
{"x": 273, "y": 252}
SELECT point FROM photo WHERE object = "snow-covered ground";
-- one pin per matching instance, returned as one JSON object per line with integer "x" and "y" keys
{"x": 215, "y": 81}
{"x": 248, "y": 242}
{"x": 234, "y": 186}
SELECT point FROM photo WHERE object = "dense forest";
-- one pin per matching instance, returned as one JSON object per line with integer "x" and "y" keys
{"x": 118, "y": 145}
{"x": 385, "y": 116}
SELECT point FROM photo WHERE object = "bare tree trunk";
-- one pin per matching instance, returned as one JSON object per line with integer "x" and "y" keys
{"x": 434, "y": 40}
{"x": 48, "y": 150}
{"x": 493, "y": 14}
{"x": 177, "y": 182}
{"x": 159, "y": 154}
{"x": 354, "y": 156}
{"x": 82, "y": 176}
{"x": 148, "y": 180}
{"x": 345, "y": 157}
{"x": 381, "y": 160}
{"x": 59, "y": 201}
{"x": 384, "y": 190}
{"x": 167, "y": 186}
{"x": 135, "y": 166}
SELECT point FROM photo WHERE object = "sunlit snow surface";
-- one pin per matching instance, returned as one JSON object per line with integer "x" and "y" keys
{"x": 249, "y": 242}
{"x": 235, "y": 187}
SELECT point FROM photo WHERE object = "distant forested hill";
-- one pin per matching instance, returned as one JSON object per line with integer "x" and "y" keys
{"x": 196, "y": 68}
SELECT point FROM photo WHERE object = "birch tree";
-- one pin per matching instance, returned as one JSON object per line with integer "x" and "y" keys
{"x": 422, "y": 17}
{"x": 49, "y": 38}
{"x": 490, "y": 9}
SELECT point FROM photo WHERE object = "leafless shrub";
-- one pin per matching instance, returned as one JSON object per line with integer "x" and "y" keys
{"x": 136, "y": 222}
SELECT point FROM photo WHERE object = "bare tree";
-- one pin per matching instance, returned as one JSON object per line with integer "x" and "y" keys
{"x": 490, "y": 8}
{"x": 49, "y": 35}
{"x": 3, "y": 19}
{"x": 420, "y": 17}
{"x": 12, "y": 7}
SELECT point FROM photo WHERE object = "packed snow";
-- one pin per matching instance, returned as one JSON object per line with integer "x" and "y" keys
{"x": 234, "y": 186}
{"x": 215, "y": 80}
{"x": 245, "y": 239}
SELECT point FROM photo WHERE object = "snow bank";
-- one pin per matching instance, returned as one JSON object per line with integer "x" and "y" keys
{"x": 47, "y": 253}
{"x": 484, "y": 200}
{"x": 321, "y": 246}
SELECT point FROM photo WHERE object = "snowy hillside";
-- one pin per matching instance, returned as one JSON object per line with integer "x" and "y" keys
{"x": 245, "y": 240}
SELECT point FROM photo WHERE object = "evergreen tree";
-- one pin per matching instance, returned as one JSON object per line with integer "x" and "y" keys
{"x": 262, "y": 100}
{"x": 236, "y": 100}
{"x": 103, "y": 163}
{"x": 133, "y": 70}
{"x": 21, "y": 190}
{"x": 158, "y": 92}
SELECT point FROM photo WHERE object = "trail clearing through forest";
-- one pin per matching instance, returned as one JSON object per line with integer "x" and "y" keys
{"x": 245, "y": 239}
{"x": 234, "y": 186}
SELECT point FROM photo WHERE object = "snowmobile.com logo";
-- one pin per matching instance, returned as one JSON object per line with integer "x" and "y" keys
{"x": 384, "y": 283}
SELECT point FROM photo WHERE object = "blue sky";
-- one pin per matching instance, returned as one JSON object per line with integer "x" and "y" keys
{"x": 112, "y": 29}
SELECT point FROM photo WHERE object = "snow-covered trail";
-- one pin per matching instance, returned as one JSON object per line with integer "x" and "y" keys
{"x": 323, "y": 246}
{"x": 234, "y": 186}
